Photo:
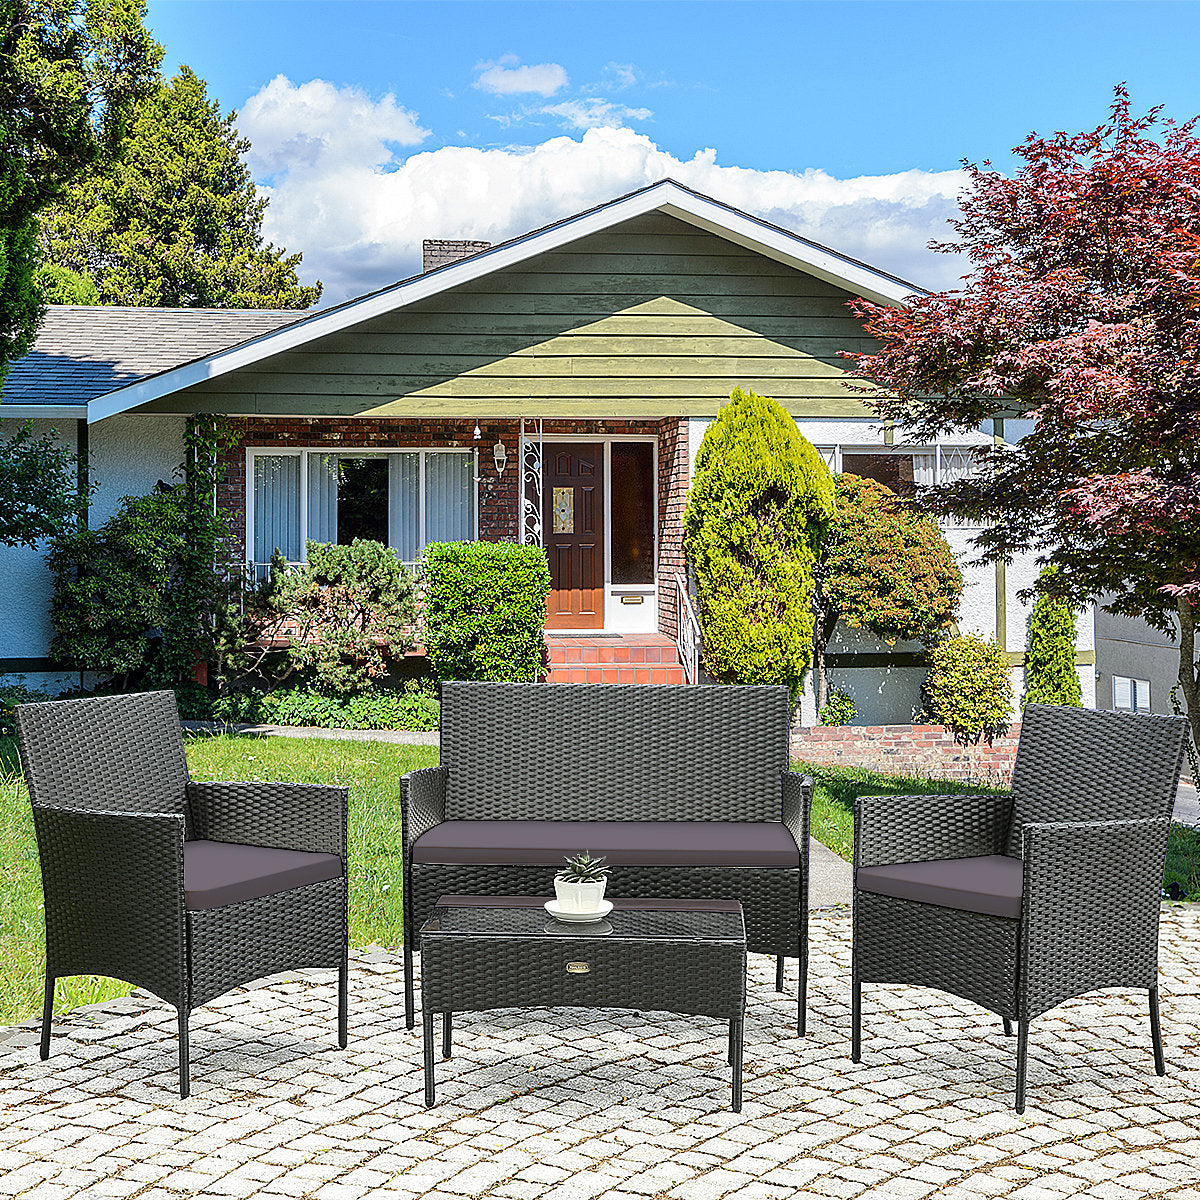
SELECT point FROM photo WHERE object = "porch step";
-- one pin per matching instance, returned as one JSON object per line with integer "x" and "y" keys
{"x": 637, "y": 658}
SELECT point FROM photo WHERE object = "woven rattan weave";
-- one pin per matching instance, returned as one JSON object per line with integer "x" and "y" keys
{"x": 480, "y": 953}
{"x": 112, "y": 809}
{"x": 1088, "y": 815}
{"x": 615, "y": 752}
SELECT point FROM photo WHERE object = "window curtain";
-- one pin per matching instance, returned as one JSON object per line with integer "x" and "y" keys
{"x": 449, "y": 487}
{"x": 924, "y": 469}
{"x": 322, "y": 497}
{"x": 404, "y": 476}
{"x": 276, "y": 506}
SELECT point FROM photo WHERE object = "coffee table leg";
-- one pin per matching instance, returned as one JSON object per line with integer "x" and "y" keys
{"x": 445, "y": 1035}
{"x": 735, "y": 1056}
{"x": 427, "y": 1029}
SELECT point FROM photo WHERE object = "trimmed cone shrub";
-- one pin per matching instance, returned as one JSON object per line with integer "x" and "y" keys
{"x": 760, "y": 505}
{"x": 1050, "y": 674}
{"x": 969, "y": 688}
{"x": 485, "y": 606}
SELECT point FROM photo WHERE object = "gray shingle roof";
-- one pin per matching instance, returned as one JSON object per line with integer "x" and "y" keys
{"x": 85, "y": 351}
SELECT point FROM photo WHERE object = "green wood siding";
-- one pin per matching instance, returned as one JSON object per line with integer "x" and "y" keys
{"x": 652, "y": 318}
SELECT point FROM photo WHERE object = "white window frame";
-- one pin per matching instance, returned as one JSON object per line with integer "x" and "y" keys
{"x": 252, "y": 452}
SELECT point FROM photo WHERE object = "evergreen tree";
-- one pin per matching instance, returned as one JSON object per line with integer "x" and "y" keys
{"x": 177, "y": 221}
{"x": 760, "y": 505}
{"x": 1050, "y": 674}
{"x": 70, "y": 70}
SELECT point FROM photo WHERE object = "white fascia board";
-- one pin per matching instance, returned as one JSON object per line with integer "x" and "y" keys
{"x": 666, "y": 197}
{"x": 25, "y": 412}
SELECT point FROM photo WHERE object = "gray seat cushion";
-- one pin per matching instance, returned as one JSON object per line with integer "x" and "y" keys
{"x": 988, "y": 884}
{"x": 623, "y": 843}
{"x": 220, "y": 873}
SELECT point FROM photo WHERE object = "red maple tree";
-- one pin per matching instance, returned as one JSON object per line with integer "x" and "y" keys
{"x": 1081, "y": 310}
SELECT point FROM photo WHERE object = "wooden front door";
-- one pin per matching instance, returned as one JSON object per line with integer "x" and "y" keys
{"x": 573, "y": 534}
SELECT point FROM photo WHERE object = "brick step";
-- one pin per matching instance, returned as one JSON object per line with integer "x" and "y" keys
{"x": 618, "y": 673}
{"x": 613, "y": 652}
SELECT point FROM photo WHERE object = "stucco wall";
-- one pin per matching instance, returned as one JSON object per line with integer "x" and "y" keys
{"x": 127, "y": 455}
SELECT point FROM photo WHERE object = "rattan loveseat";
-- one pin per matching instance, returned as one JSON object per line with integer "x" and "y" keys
{"x": 685, "y": 790}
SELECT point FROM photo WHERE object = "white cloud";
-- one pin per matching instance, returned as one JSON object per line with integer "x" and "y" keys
{"x": 594, "y": 114}
{"x": 315, "y": 126}
{"x": 505, "y": 78}
{"x": 359, "y": 211}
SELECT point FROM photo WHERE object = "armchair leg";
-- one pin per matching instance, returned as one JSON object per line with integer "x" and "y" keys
{"x": 343, "y": 1002}
{"x": 1022, "y": 1062}
{"x": 802, "y": 1001}
{"x": 447, "y": 1025}
{"x": 185, "y": 1083}
{"x": 1007, "y": 1027}
{"x": 1160, "y": 1067}
{"x": 410, "y": 1018}
{"x": 48, "y": 1016}
{"x": 855, "y": 1017}
{"x": 779, "y": 972}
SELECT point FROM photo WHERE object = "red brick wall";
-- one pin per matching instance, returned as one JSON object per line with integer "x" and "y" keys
{"x": 499, "y": 516}
{"x": 908, "y": 750}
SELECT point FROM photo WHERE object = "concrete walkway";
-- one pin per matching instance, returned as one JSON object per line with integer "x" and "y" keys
{"x": 612, "y": 1105}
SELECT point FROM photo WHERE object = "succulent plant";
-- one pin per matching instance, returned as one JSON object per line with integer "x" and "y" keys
{"x": 583, "y": 868}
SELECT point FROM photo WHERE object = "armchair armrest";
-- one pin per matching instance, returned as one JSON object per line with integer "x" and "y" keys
{"x": 1091, "y": 892}
{"x": 895, "y": 829}
{"x": 114, "y": 895}
{"x": 422, "y": 803}
{"x": 286, "y": 816}
{"x": 797, "y": 807}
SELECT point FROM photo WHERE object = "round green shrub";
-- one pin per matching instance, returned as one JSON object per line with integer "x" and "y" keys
{"x": 839, "y": 709}
{"x": 969, "y": 687}
{"x": 760, "y": 504}
{"x": 1050, "y": 674}
{"x": 485, "y": 607}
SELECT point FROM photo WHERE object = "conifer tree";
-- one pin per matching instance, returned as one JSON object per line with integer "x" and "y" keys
{"x": 760, "y": 505}
{"x": 1050, "y": 674}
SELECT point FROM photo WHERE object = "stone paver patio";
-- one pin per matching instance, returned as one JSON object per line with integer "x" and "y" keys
{"x": 574, "y": 1105}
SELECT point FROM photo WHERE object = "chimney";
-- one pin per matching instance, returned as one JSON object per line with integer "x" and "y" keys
{"x": 438, "y": 252}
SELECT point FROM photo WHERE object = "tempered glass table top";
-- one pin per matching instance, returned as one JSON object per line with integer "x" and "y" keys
{"x": 645, "y": 920}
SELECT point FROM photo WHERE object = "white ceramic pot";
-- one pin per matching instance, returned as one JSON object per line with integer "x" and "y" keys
{"x": 579, "y": 897}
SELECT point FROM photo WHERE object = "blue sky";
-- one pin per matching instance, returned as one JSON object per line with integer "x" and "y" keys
{"x": 376, "y": 123}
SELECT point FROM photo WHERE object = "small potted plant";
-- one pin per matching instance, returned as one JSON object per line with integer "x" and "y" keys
{"x": 579, "y": 886}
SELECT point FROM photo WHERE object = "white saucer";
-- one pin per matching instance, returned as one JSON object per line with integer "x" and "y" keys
{"x": 560, "y": 914}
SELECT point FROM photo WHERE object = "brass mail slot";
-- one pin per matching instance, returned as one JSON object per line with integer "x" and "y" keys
{"x": 578, "y": 968}
{"x": 632, "y": 599}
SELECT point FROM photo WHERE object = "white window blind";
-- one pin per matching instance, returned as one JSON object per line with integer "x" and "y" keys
{"x": 322, "y": 497}
{"x": 449, "y": 485}
{"x": 1132, "y": 695}
{"x": 404, "y": 505}
{"x": 276, "y": 506}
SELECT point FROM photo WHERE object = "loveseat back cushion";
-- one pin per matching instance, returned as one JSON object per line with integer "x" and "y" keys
{"x": 990, "y": 883}
{"x": 621, "y": 843}
{"x": 612, "y": 752}
{"x": 115, "y": 753}
{"x": 1074, "y": 764}
{"x": 220, "y": 873}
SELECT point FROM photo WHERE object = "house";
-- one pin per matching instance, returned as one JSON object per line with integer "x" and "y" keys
{"x": 552, "y": 389}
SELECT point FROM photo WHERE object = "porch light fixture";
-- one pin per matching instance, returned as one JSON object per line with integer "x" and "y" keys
{"x": 478, "y": 431}
{"x": 499, "y": 457}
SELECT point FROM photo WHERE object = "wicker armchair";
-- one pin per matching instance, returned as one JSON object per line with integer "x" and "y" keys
{"x": 185, "y": 889}
{"x": 1021, "y": 901}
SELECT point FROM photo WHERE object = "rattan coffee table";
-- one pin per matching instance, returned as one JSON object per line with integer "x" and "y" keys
{"x": 680, "y": 956}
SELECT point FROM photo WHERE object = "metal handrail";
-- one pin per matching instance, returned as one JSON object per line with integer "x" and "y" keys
{"x": 687, "y": 631}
